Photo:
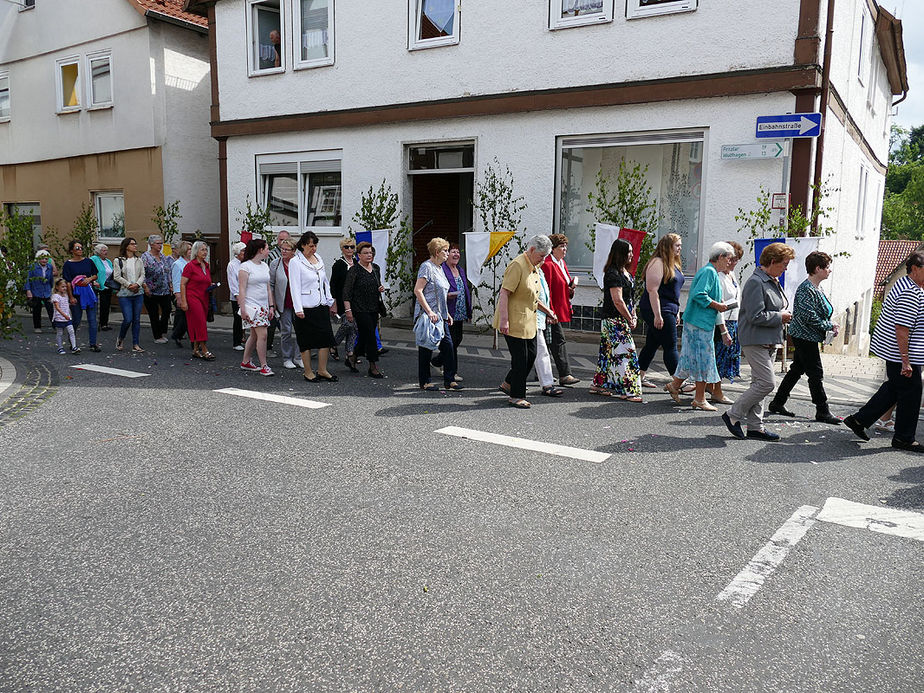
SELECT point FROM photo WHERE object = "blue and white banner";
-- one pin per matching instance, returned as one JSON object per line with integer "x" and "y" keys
{"x": 379, "y": 239}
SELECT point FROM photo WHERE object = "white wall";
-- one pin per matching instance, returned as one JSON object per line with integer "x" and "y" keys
{"x": 190, "y": 155}
{"x": 505, "y": 46}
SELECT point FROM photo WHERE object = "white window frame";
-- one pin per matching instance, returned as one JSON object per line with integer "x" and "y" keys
{"x": 414, "y": 8}
{"x": 862, "y": 190}
{"x": 59, "y": 85}
{"x": 556, "y": 21}
{"x": 91, "y": 104}
{"x": 303, "y": 165}
{"x": 5, "y": 75}
{"x": 297, "y": 38}
{"x": 24, "y": 6}
{"x": 862, "y": 52}
{"x": 253, "y": 66}
{"x": 97, "y": 194}
{"x": 634, "y": 9}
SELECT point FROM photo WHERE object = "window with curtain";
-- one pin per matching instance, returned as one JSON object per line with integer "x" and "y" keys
{"x": 4, "y": 95}
{"x": 267, "y": 36}
{"x": 316, "y": 22}
{"x": 567, "y": 13}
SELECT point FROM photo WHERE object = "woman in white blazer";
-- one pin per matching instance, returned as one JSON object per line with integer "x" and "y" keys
{"x": 312, "y": 305}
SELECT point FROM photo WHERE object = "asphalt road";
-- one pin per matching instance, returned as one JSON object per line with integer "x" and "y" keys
{"x": 158, "y": 535}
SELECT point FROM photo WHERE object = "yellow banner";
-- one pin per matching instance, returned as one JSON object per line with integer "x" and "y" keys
{"x": 498, "y": 240}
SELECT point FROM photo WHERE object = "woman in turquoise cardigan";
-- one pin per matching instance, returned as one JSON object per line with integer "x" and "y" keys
{"x": 697, "y": 351}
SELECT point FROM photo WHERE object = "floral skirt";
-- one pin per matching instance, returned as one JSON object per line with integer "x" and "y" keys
{"x": 697, "y": 355}
{"x": 259, "y": 317}
{"x": 728, "y": 358}
{"x": 617, "y": 365}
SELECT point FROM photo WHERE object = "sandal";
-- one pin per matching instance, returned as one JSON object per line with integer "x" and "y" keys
{"x": 603, "y": 392}
{"x": 552, "y": 391}
{"x": 119, "y": 345}
{"x": 647, "y": 383}
{"x": 327, "y": 378}
{"x": 702, "y": 406}
{"x": 196, "y": 355}
{"x": 430, "y": 387}
{"x": 505, "y": 390}
{"x": 208, "y": 356}
{"x": 519, "y": 403}
{"x": 454, "y": 386}
{"x": 137, "y": 349}
{"x": 674, "y": 392}
{"x": 721, "y": 400}
{"x": 631, "y": 398}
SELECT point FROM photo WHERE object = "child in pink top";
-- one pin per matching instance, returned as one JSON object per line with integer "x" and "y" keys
{"x": 61, "y": 318}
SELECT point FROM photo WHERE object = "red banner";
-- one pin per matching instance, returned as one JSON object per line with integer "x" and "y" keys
{"x": 635, "y": 239}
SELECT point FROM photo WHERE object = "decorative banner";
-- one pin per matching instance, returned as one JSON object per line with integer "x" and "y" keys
{"x": 605, "y": 235}
{"x": 379, "y": 239}
{"x": 796, "y": 269}
{"x": 759, "y": 245}
{"x": 634, "y": 238}
{"x": 498, "y": 240}
{"x": 246, "y": 236}
{"x": 477, "y": 246}
{"x": 167, "y": 249}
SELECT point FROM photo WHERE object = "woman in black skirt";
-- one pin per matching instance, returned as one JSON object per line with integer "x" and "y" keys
{"x": 361, "y": 304}
{"x": 312, "y": 305}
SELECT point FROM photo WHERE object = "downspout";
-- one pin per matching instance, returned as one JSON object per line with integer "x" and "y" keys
{"x": 823, "y": 108}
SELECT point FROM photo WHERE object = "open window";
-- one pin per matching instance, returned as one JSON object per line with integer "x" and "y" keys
{"x": 568, "y": 13}
{"x": 650, "y": 8}
{"x": 266, "y": 36}
{"x": 110, "y": 213}
{"x": 4, "y": 96}
{"x": 99, "y": 82}
{"x": 67, "y": 78}
{"x": 433, "y": 23}
{"x": 314, "y": 21}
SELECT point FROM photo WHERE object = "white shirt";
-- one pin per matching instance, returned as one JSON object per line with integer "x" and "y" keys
{"x": 561, "y": 266}
{"x": 233, "y": 284}
{"x": 903, "y": 306}
{"x": 308, "y": 283}
{"x": 257, "y": 292}
{"x": 731, "y": 291}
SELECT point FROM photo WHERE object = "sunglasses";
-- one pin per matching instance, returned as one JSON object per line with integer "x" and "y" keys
{"x": 348, "y": 246}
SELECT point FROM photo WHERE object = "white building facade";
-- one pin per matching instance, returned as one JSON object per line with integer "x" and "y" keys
{"x": 106, "y": 103}
{"x": 314, "y": 101}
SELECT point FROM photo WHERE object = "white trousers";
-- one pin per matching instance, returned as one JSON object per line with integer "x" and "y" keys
{"x": 543, "y": 361}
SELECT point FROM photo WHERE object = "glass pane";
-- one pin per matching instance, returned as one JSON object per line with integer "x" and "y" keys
{"x": 437, "y": 18}
{"x": 674, "y": 174}
{"x": 282, "y": 198}
{"x": 267, "y": 35}
{"x": 580, "y": 8}
{"x": 323, "y": 196}
{"x": 111, "y": 211}
{"x": 69, "y": 77}
{"x": 101, "y": 80}
{"x": 655, "y": 3}
{"x": 4, "y": 97}
{"x": 433, "y": 158}
{"x": 315, "y": 29}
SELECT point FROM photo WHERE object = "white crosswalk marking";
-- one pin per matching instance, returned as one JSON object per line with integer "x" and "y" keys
{"x": 279, "y": 399}
{"x": 525, "y": 444}
{"x": 109, "y": 371}
{"x": 899, "y": 523}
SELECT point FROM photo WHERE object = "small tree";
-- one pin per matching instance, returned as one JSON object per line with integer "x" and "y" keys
{"x": 500, "y": 209}
{"x": 256, "y": 219}
{"x": 626, "y": 201}
{"x": 15, "y": 260}
{"x": 165, "y": 219}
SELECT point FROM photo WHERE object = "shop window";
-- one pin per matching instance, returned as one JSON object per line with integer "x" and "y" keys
{"x": 100, "y": 83}
{"x": 303, "y": 191}
{"x": 650, "y": 8}
{"x": 316, "y": 32}
{"x": 68, "y": 84}
{"x": 266, "y": 35}
{"x": 110, "y": 214}
{"x": 4, "y": 96}
{"x": 568, "y": 13}
{"x": 674, "y": 172}
{"x": 433, "y": 23}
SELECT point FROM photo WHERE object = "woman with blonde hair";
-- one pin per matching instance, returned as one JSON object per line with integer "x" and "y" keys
{"x": 432, "y": 318}
{"x": 660, "y": 304}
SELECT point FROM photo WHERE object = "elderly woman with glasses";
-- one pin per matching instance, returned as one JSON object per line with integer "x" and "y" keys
{"x": 346, "y": 333}
{"x": 105, "y": 282}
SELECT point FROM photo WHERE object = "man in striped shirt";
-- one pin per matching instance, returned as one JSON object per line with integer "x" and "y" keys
{"x": 899, "y": 340}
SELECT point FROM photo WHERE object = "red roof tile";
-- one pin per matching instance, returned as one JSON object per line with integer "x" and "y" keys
{"x": 891, "y": 254}
{"x": 170, "y": 8}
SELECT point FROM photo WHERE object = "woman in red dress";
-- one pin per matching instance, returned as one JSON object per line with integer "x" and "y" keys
{"x": 194, "y": 299}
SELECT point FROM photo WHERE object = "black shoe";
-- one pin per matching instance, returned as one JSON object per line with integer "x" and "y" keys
{"x": 383, "y": 351}
{"x": 351, "y": 364}
{"x": 733, "y": 428}
{"x": 825, "y": 417}
{"x": 775, "y": 408}
{"x": 105, "y": 328}
{"x": 912, "y": 446}
{"x": 375, "y": 374}
{"x": 855, "y": 426}
{"x": 763, "y": 435}
{"x": 95, "y": 347}
{"x": 334, "y": 354}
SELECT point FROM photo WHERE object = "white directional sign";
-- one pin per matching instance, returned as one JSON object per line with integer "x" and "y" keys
{"x": 761, "y": 150}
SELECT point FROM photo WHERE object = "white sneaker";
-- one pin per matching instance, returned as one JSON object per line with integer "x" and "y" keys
{"x": 161, "y": 340}
{"x": 239, "y": 347}
{"x": 298, "y": 362}
{"x": 885, "y": 426}
{"x": 459, "y": 378}
{"x": 37, "y": 330}
{"x": 288, "y": 364}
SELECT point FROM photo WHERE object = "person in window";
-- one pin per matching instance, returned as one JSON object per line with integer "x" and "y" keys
{"x": 194, "y": 299}
{"x": 346, "y": 333}
{"x": 158, "y": 296}
{"x": 82, "y": 267}
{"x": 660, "y": 304}
{"x": 106, "y": 283}
{"x": 276, "y": 41}
{"x": 561, "y": 287}
{"x": 237, "y": 329}
{"x": 39, "y": 289}
{"x": 128, "y": 271}
{"x": 361, "y": 296}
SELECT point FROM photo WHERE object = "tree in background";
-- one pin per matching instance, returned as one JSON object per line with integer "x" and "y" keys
{"x": 166, "y": 218}
{"x": 15, "y": 260}
{"x": 903, "y": 203}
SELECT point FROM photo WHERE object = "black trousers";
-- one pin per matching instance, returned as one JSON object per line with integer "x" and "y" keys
{"x": 37, "y": 305}
{"x": 271, "y": 331}
{"x": 455, "y": 334}
{"x": 237, "y": 328}
{"x": 665, "y": 338}
{"x": 105, "y": 305}
{"x": 904, "y": 393}
{"x": 179, "y": 324}
{"x": 366, "y": 324}
{"x": 559, "y": 352}
{"x": 522, "y": 358}
{"x": 447, "y": 358}
{"x": 805, "y": 361}
{"x": 158, "y": 308}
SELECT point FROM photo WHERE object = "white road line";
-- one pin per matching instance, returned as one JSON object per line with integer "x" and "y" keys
{"x": 109, "y": 371}
{"x": 748, "y": 581}
{"x": 279, "y": 399}
{"x": 661, "y": 674}
{"x": 523, "y": 443}
{"x": 901, "y": 523}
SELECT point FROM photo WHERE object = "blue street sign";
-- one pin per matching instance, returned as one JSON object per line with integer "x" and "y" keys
{"x": 790, "y": 125}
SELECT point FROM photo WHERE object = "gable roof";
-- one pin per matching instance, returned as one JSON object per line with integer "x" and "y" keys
{"x": 892, "y": 255}
{"x": 171, "y": 11}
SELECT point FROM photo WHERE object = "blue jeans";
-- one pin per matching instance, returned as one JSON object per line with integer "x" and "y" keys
{"x": 77, "y": 315}
{"x": 131, "y": 315}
